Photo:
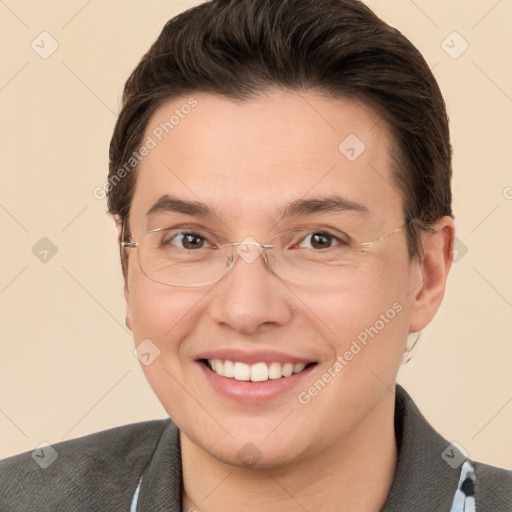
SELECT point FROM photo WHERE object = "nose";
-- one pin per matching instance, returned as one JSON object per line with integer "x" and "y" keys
{"x": 250, "y": 294}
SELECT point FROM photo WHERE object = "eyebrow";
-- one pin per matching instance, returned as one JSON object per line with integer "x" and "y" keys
{"x": 297, "y": 208}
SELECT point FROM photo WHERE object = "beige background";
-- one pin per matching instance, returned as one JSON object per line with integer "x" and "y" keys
{"x": 66, "y": 362}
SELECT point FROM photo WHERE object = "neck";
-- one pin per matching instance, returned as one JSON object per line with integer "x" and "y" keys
{"x": 355, "y": 475}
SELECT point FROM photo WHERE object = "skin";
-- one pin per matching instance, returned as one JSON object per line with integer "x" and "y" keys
{"x": 246, "y": 159}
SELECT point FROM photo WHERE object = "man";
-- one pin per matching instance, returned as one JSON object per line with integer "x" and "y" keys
{"x": 280, "y": 178}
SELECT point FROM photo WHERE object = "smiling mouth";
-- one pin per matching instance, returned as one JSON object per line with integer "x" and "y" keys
{"x": 258, "y": 372}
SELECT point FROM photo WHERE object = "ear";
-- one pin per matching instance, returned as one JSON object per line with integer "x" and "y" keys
{"x": 118, "y": 224}
{"x": 127, "y": 321}
{"x": 431, "y": 271}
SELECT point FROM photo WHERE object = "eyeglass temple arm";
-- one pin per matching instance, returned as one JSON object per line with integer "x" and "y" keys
{"x": 122, "y": 242}
{"x": 422, "y": 224}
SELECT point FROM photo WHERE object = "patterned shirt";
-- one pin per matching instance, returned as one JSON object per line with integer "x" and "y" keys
{"x": 464, "y": 499}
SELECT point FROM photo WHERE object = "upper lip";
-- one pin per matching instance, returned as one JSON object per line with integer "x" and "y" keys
{"x": 253, "y": 356}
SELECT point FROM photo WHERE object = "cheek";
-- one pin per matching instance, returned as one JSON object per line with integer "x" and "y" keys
{"x": 377, "y": 288}
{"x": 160, "y": 317}
{"x": 365, "y": 328}
{"x": 367, "y": 322}
{"x": 166, "y": 316}
{"x": 155, "y": 310}
{"x": 361, "y": 314}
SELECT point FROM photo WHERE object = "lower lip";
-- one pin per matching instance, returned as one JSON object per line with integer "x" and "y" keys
{"x": 253, "y": 392}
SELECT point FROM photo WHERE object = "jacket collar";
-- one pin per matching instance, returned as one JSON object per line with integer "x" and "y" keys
{"x": 422, "y": 476}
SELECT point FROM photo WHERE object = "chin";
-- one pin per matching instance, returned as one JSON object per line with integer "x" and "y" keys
{"x": 252, "y": 457}
{"x": 252, "y": 450}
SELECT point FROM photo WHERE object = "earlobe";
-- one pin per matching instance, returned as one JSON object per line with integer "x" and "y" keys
{"x": 433, "y": 268}
{"x": 127, "y": 305}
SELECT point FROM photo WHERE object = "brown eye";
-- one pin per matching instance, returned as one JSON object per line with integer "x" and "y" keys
{"x": 185, "y": 240}
{"x": 320, "y": 240}
{"x": 192, "y": 241}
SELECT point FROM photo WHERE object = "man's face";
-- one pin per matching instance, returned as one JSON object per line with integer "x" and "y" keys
{"x": 248, "y": 161}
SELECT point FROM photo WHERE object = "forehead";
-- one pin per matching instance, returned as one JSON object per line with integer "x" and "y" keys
{"x": 249, "y": 159}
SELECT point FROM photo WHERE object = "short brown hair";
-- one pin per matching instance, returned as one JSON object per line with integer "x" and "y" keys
{"x": 338, "y": 48}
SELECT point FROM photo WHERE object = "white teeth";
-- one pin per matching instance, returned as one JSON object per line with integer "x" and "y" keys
{"x": 258, "y": 372}
{"x": 297, "y": 367}
{"x": 241, "y": 371}
{"x": 217, "y": 366}
{"x": 274, "y": 371}
{"x": 229, "y": 369}
{"x": 287, "y": 369}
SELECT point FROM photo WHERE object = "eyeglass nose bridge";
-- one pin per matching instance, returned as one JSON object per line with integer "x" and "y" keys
{"x": 248, "y": 256}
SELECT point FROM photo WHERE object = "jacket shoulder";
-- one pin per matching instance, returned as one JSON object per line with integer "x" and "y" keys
{"x": 99, "y": 471}
{"x": 493, "y": 488}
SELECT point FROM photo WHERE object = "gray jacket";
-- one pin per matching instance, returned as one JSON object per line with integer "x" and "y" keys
{"x": 101, "y": 472}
